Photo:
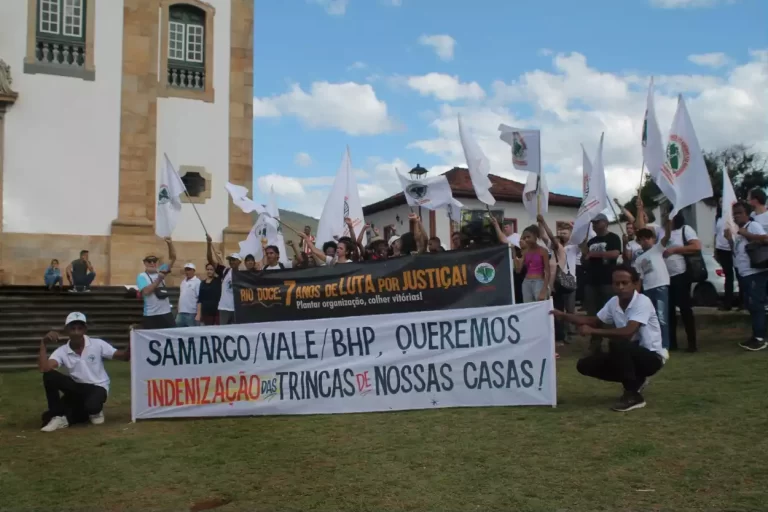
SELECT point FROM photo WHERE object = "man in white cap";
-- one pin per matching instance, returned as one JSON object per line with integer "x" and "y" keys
{"x": 151, "y": 285}
{"x": 188, "y": 296}
{"x": 227, "y": 301}
{"x": 79, "y": 396}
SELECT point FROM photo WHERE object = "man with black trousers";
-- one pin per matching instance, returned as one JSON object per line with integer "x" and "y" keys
{"x": 599, "y": 256}
{"x": 635, "y": 351}
{"x": 79, "y": 396}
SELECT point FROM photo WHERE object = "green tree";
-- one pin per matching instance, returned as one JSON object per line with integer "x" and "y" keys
{"x": 746, "y": 168}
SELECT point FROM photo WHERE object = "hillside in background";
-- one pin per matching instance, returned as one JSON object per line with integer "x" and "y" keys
{"x": 295, "y": 220}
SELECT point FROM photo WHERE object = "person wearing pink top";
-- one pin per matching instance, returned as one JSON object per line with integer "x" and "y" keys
{"x": 536, "y": 262}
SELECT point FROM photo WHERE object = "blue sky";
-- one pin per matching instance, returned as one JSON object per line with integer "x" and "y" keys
{"x": 388, "y": 77}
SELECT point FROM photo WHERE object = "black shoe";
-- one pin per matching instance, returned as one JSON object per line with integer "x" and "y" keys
{"x": 746, "y": 342}
{"x": 629, "y": 401}
{"x": 691, "y": 350}
{"x": 754, "y": 345}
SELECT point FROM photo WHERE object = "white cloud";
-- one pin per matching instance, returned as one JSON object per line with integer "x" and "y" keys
{"x": 283, "y": 185}
{"x": 350, "y": 107}
{"x": 574, "y": 103}
{"x": 711, "y": 60}
{"x": 687, "y": 4}
{"x": 332, "y": 7}
{"x": 544, "y": 52}
{"x": 302, "y": 159}
{"x": 445, "y": 87}
{"x": 441, "y": 43}
{"x": 357, "y": 65}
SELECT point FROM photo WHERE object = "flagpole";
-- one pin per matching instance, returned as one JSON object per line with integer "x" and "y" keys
{"x": 617, "y": 217}
{"x": 188, "y": 196}
{"x": 538, "y": 181}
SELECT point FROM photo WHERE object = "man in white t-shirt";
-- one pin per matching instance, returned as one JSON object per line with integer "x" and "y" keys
{"x": 151, "y": 285}
{"x": 683, "y": 241}
{"x": 753, "y": 280}
{"x": 756, "y": 199}
{"x": 635, "y": 350}
{"x": 79, "y": 396}
{"x": 189, "y": 293}
{"x": 649, "y": 263}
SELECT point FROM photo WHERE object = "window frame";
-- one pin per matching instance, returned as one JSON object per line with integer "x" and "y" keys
{"x": 206, "y": 67}
{"x": 183, "y": 41}
{"x": 196, "y": 44}
{"x": 80, "y": 18}
{"x": 83, "y": 43}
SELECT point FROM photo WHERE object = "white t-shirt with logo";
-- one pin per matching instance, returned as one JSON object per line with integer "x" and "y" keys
{"x": 721, "y": 243}
{"x": 634, "y": 249}
{"x": 227, "y": 301}
{"x": 88, "y": 367}
{"x": 676, "y": 262}
{"x": 761, "y": 219}
{"x": 188, "y": 295}
{"x": 152, "y": 305}
{"x": 651, "y": 267}
{"x": 572, "y": 258}
{"x": 640, "y": 310}
{"x": 740, "y": 256}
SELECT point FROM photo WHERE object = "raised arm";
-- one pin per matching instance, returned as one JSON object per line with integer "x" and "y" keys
{"x": 499, "y": 233}
{"x": 547, "y": 273}
{"x": 209, "y": 251}
{"x": 640, "y": 207}
{"x": 547, "y": 232}
{"x": 171, "y": 253}
{"x": 45, "y": 364}
{"x": 627, "y": 213}
{"x": 320, "y": 255}
{"x": 418, "y": 233}
{"x": 351, "y": 228}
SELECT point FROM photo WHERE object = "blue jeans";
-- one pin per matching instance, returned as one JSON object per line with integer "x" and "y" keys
{"x": 754, "y": 294}
{"x": 185, "y": 320}
{"x": 660, "y": 298}
{"x": 85, "y": 281}
{"x": 532, "y": 288}
{"x": 53, "y": 280}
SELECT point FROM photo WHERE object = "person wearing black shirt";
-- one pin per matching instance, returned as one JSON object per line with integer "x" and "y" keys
{"x": 208, "y": 298}
{"x": 599, "y": 257}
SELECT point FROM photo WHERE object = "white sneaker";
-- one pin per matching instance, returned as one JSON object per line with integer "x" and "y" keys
{"x": 56, "y": 423}
{"x": 97, "y": 419}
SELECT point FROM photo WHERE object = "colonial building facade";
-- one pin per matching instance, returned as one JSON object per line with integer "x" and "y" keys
{"x": 93, "y": 93}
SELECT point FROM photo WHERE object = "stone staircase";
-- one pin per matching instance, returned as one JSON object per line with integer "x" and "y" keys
{"x": 27, "y": 313}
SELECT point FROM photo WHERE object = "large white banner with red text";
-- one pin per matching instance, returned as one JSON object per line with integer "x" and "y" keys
{"x": 493, "y": 356}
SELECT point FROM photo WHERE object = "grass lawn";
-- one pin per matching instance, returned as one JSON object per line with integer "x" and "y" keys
{"x": 700, "y": 444}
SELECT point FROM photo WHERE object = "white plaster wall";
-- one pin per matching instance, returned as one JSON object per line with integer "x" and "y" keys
{"x": 62, "y": 137}
{"x": 193, "y": 132}
{"x": 442, "y": 227}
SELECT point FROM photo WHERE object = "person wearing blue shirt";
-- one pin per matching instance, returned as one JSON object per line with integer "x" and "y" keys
{"x": 52, "y": 275}
{"x": 151, "y": 285}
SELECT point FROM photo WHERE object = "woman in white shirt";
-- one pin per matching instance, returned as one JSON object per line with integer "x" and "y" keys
{"x": 724, "y": 257}
{"x": 754, "y": 280}
{"x": 683, "y": 241}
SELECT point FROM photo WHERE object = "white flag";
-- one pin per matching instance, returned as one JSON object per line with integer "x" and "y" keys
{"x": 431, "y": 193}
{"x": 526, "y": 147}
{"x": 729, "y": 199}
{"x": 478, "y": 166}
{"x": 454, "y": 210}
{"x": 653, "y": 149}
{"x": 240, "y": 197}
{"x": 343, "y": 201}
{"x": 595, "y": 199}
{"x": 168, "y": 200}
{"x": 536, "y": 195}
{"x": 685, "y": 165}
{"x": 265, "y": 227}
{"x": 279, "y": 238}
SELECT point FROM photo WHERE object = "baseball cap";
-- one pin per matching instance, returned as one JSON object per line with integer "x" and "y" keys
{"x": 393, "y": 239}
{"x": 599, "y": 217}
{"x": 75, "y": 317}
{"x": 233, "y": 256}
{"x": 190, "y": 265}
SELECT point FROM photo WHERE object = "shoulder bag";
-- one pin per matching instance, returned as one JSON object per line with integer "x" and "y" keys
{"x": 564, "y": 280}
{"x": 758, "y": 254}
{"x": 695, "y": 268}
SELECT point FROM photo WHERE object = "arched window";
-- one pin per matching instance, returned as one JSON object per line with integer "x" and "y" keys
{"x": 187, "y": 52}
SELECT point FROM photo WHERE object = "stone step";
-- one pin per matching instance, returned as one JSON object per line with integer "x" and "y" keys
{"x": 56, "y": 321}
{"x": 7, "y": 350}
{"x": 6, "y": 367}
{"x": 103, "y": 329}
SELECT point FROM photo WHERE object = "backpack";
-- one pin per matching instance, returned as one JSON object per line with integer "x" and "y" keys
{"x": 695, "y": 268}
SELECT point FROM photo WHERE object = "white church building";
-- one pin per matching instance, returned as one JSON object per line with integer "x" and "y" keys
{"x": 93, "y": 93}
{"x": 394, "y": 210}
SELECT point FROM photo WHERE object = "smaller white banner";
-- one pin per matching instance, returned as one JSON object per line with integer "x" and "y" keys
{"x": 495, "y": 356}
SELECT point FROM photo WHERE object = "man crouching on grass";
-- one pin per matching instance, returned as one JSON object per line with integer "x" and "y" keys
{"x": 83, "y": 392}
{"x": 635, "y": 350}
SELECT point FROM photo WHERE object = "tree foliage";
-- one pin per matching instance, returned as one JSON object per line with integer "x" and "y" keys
{"x": 746, "y": 168}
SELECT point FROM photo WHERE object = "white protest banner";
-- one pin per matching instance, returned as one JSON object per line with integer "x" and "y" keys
{"x": 478, "y": 357}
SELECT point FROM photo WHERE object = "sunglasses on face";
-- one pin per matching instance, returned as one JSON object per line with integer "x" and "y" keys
{"x": 151, "y": 260}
